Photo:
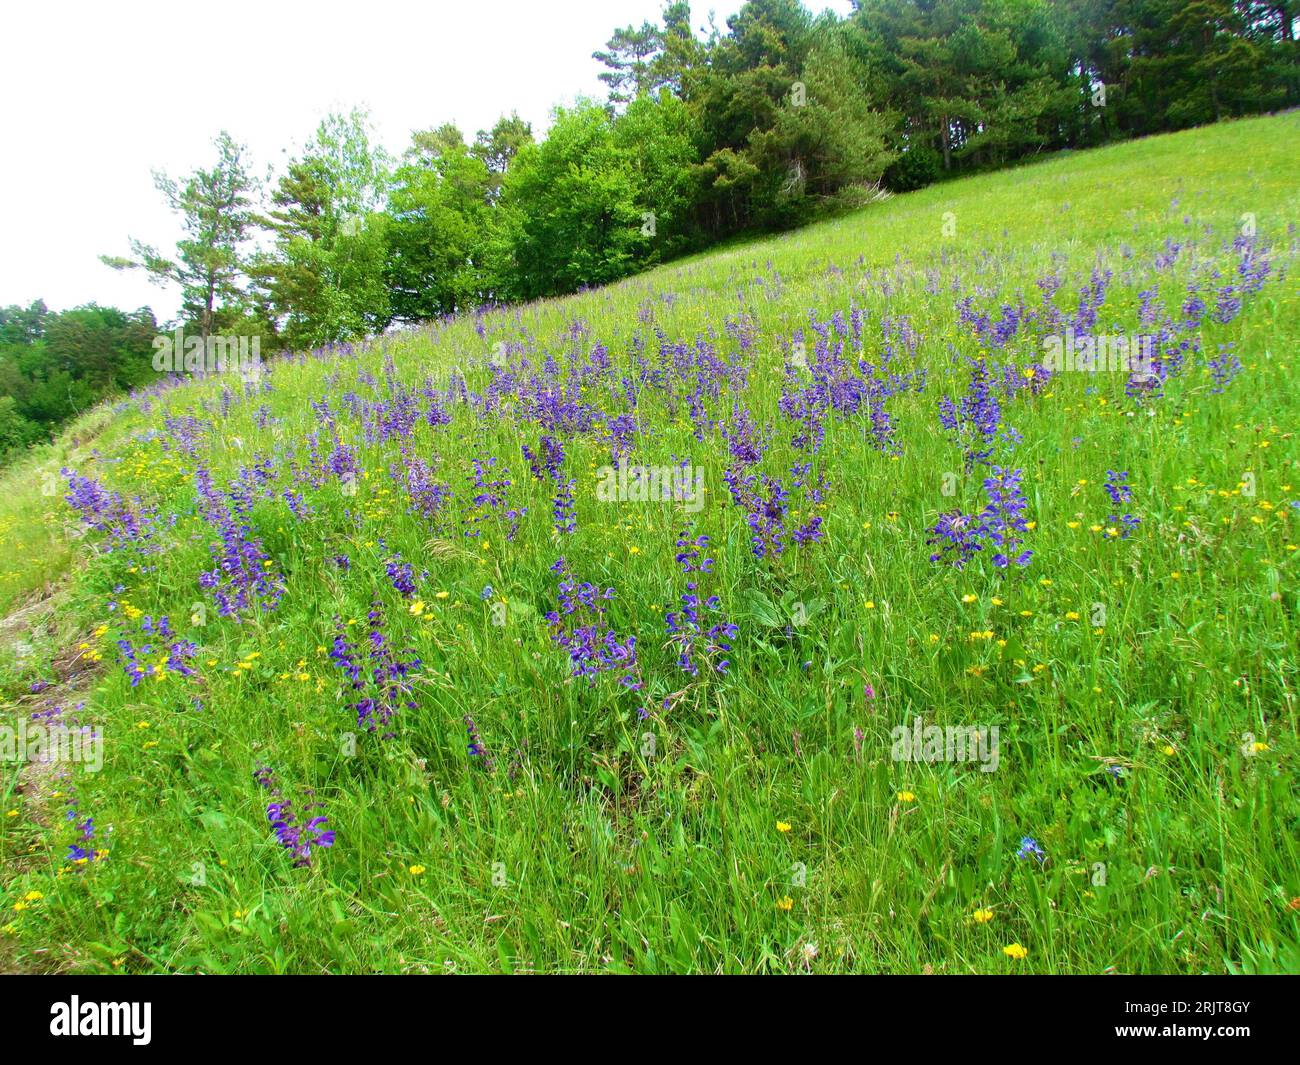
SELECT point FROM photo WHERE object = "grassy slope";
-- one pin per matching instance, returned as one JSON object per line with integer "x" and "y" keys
{"x": 580, "y": 852}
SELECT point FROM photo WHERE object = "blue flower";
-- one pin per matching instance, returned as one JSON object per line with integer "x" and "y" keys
{"x": 1029, "y": 846}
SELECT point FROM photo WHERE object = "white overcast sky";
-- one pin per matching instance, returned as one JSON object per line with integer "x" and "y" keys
{"x": 94, "y": 95}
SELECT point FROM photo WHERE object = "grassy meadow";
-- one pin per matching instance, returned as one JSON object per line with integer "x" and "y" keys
{"x": 357, "y": 558}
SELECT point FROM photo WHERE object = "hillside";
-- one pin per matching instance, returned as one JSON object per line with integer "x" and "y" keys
{"x": 554, "y": 723}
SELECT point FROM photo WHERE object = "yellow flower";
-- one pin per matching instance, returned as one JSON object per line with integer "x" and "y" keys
{"x": 441, "y": 595}
{"x": 417, "y": 870}
{"x": 11, "y": 813}
{"x": 785, "y": 903}
{"x": 33, "y": 896}
{"x": 1168, "y": 750}
{"x": 1071, "y": 615}
{"x": 968, "y": 598}
{"x": 634, "y": 550}
{"x": 1259, "y": 747}
{"x": 906, "y": 796}
{"x": 783, "y": 826}
{"x": 982, "y": 916}
{"x": 1014, "y": 950}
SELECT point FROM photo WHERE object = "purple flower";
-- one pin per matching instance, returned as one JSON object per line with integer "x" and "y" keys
{"x": 297, "y": 837}
{"x": 1003, "y": 520}
{"x": 401, "y": 574}
{"x": 975, "y": 421}
{"x": 383, "y": 690}
{"x": 579, "y": 626}
{"x": 476, "y": 748}
{"x": 686, "y": 627}
{"x": 957, "y": 537}
{"x": 1121, "y": 495}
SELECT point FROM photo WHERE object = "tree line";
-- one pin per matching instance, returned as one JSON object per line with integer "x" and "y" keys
{"x": 706, "y": 133}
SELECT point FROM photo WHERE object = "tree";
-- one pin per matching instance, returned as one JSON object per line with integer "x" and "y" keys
{"x": 658, "y": 135}
{"x": 216, "y": 209}
{"x": 109, "y": 349}
{"x": 53, "y": 366}
{"x": 834, "y": 138}
{"x": 324, "y": 283}
{"x": 497, "y": 147}
{"x": 571, "y": 202}
{"x": 440, "y": 212}
{"x": 628, "y": 54}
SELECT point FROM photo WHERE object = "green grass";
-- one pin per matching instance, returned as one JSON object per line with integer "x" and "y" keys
{"x": 585, "y": 850}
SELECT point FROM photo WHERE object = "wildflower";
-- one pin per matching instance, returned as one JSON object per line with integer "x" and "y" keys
{"x": 785, "y": 904}
{"x": 475, "y": 746}
{"x": 982, "y": 916}
{"x": 402, "y": 575}
{"x": 957, "y": 536}
{"x": 416, "y": 870}
{"x": 975, "y": 421}
{"x": 685, "y": 626}
{"x": 385, "y": 689}
{"x": 1029, "y": 847}
{"x": 297, "y": 838}
{"x": 1121, "y": 525}
{"x": 906, "y": 796}
{"x": 1015, "y": 950}
{"x": 579, "y": 626}
{"x": 1003, "y": 519}
{"x": 239, "y": 578}
{"x": 783, "y": 826}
